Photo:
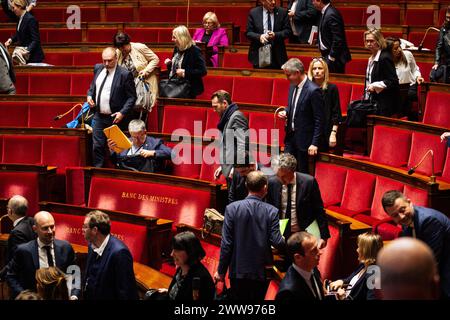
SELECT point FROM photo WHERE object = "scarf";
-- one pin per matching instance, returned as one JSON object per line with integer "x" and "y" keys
{"x": 226, "y": 116}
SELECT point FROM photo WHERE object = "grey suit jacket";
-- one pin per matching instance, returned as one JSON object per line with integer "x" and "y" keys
{"x": 234, "y": 141}
{"x": 7, "y": 75}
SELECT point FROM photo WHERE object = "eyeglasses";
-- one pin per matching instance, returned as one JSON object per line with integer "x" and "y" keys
{"x": 317, "y": 59}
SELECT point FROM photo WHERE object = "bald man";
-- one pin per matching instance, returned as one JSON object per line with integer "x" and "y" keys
{"x": 22, "y": 231}
{"x": 112, "y": 95}
{"x": 44, "y": 252}
{"x": 408, "y": 271}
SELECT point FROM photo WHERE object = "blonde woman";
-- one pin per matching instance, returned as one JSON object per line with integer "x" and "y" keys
{"x": 139, "y": 59}
{"x": 213, "y": 35}
{"x": 381, "y": 78}
{"x": 319, "y": 74}
{"x": 187, "y": 61}
{"x": 355, "y": 286}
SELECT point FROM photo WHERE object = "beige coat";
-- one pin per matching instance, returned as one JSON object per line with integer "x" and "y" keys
{"x": 144, "y": 59}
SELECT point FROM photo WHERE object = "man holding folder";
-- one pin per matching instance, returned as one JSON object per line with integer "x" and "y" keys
{"x": 297, "y": 196}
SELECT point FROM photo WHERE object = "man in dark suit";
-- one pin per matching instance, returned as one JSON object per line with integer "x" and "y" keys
{"x": 233, "y": 126}
{"x": 27, "y": 34}
{"x": 44, "y": 252}
{"x": 7, "y": 74}
{"x": 113, "y": 94}
{"x": 302, "y": 280}
{"x": 261, "y": 31}
{"x": 250, "y": 228}
{"x": 302, "y": 16}
{"x": 332, "y": 41}
{"x": 305, "y": 114}
{"x": 22, "y": 231}
{"x": 428, "y": 225}
{"x": 146, "y": 154}
{"x": 109, "y": 268}
{"x": 297, "y": 197}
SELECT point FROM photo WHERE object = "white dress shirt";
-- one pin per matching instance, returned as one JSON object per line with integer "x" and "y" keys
{"x": 106, "y": 92}
{"x": 102, "y": 247}
{"x": 20, "y": 21}
{"x": 284, "y": 196}
{"x": 43, "y": 261}
{"x": 410, "y": 72}
{"x": 377, "y": 85}
{"x": 291, "y": 19}
{"x": 295, "y": 99}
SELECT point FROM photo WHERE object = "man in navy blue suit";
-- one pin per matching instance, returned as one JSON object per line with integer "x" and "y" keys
{"x": 305, "y": 114}
{"x": 109, "y": 268}
{"x": 44, "y": 252}
{"x": 250, "y": 228}
{"x": 302, "y": 280}
{"x": 113, "y": 94}
{"x": 428, "y": 225}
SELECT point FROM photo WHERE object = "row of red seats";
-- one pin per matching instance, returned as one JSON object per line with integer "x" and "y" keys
{"x": 401, "y": 148}
{"x": 358, "y": 194}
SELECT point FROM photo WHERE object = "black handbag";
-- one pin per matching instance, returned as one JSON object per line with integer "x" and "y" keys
{"x": 174, "y": 88}
{"x": 358, "y": 110}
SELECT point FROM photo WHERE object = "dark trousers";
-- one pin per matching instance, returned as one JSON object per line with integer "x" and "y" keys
{"x": 300, "y": 155}
{"x": 333, "y": 66}
{"x": 99, "y": 138}
{"x": 246, "y": 289}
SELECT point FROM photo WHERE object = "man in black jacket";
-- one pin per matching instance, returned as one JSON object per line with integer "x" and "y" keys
{"x": 442, "y": 57}
{"x": 332, "y": 41}
{"x": 261, "y": 31}
{"x": 302, "y": 16}
{"x": 22, "y": 231}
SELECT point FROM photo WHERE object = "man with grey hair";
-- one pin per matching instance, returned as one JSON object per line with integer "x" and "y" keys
{"x": 304, "y": 115}
{"x": 297, "y": 197}
{"x": 408, "y": 271}
{"x": 22, "y": 231}
{"x": 146, "y": 154}
{"x": 113, "y": 95}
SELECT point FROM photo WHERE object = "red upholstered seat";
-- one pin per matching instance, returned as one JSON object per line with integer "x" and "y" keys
{"x": 330, "y": 260}
{"x": 234, "y": 13}
{"x": 52, "y": 155}
{"x": 101, "y": 35}
{"x": 437, "y": 109}
{"x": 211, "y": 161}
{"x": 358, "y": 193}
{"x": 80, "y": 83}
{"x": 187, "y": 161}
{"x": 418, "y": 196}
{"x": 50, "y": 83}
{"x": 188, "y": 120}
{"x": 42, "y": 114}
{"x": 143, "y": 34}
{"x": 22, "y": 83}
{"x": 59, "y": 58}
{"x": 280, "y": 92}
{"x": 236, "y": 60}
{"x": 260, "y": 90}
{"x": 421, "y": 143}
{"x": 63, "y": 35}
{"x": 355, "y": 38}
{"x": 272, "y": 290}
{"x": 22, "y": 183}
{"x": 390, "y": 146}
{"x": 43, "y": 14}
{"x": 90, "y": 14}
{"x": 119, "y": 14}
{"x": 382, "y": 185}
{"x": 446, "y": 170}
{"x": 389, "y": 16}
{"x": 425, "y": 69}
{"x": 17, "y": 114}
{"x": 331, "y": 180}
{"x": 345, "y": 90}
{"x": 352, "y": 15}
{"x": 419, "y": 17}
{"x": 75, "y": 186}
{"x": 357, "y": 91}
{"x": 356, "y": 66}
{"x": 430, "y": 40}
{"x": 263, "y": 130}
{"x": 22, "y": 149}
{"x": 157, "y": 14}
{"x": 214, "y": 83}
{"x": 69, "y": 228}
{"x": 179, "y": 204}
{"x": 86, "y": 59}
{"x": 1, "y": 149}
{"x": 212, "y": 119}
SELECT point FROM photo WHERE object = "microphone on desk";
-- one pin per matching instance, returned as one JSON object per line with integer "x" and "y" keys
{"x": 60, "y": 116}
{"x": 413, "y": 169}
{"x": 424, "y": 37}
{"x": 195, "y": 288}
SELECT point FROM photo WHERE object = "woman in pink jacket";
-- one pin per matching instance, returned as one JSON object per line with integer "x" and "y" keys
{"x": 212, "y": 35}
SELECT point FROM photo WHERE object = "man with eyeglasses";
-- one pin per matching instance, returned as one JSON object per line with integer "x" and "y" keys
{"x": 22, "y": 231}
{"x": 147, "y": 154}
{"x": 441, "y": 70}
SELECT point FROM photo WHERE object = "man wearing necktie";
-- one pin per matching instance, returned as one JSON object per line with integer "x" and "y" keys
{"x": 297, "y": 197}
{"x": 305, "y": 114}
{"x": 44, "y": 252}
{"x": 302, "y": 280}
{"x": 426, "y": 224}
{"x": 7, "y": 75}
{"x": 113, "y": 94}
{"x": 268, "y": 24}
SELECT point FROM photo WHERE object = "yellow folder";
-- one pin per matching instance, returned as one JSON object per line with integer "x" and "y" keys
{"x": 121, "y": 140}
